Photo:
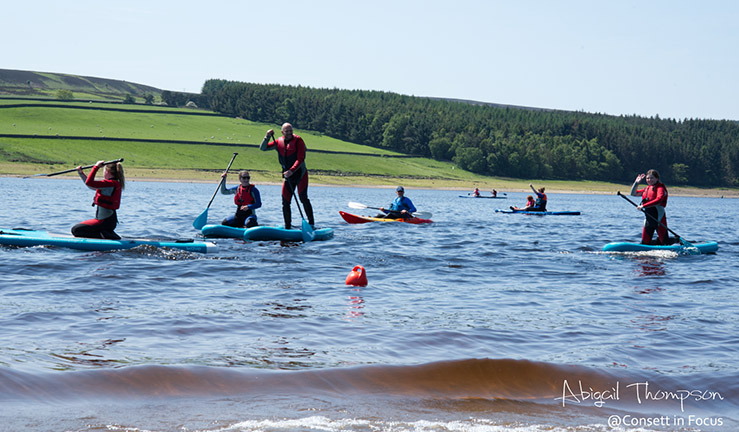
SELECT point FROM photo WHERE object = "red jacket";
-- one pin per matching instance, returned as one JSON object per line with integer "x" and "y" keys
{"x": 243, "y": 196}
{"x": 112, "y": 201}
{"x": 654, "y": 195}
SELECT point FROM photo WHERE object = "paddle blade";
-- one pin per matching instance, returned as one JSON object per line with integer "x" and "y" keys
{"x": 308, "y": 233}
{"x": 201, "y": 220}
{"x": 422, "y": 215}
{"x": 692, "y": 250}
{"x": 356, "y": 205}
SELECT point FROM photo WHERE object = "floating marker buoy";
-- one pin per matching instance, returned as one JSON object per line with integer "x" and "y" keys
{"x": 357, "y": 277}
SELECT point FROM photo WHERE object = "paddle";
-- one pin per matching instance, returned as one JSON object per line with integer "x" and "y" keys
{"x": 356, "y": 205}
{"x": 306, "y": 230}
{"x": 201, "y": 220}
{"x": 74, "y": 169}
{"x": 692, "y": 249}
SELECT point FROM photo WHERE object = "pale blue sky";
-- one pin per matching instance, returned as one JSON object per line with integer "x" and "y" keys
{"x": 676, "y": 59}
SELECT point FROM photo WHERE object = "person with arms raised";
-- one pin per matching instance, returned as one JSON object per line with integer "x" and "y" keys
{"x": 541, "y": 199}
{"x": 247, "y": 200}
{"x": 107, "y": 199}
{"x": 653, "y": 203}
{"x": 291, "y": 154}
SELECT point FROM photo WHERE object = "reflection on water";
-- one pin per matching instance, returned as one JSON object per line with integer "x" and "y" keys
{"x": 355, "y": 305}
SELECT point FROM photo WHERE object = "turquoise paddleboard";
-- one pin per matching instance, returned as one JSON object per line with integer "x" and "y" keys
{"x": 704, "y": 248}
{"x": 25, "y": 237}
{"x": 262, "y": 233}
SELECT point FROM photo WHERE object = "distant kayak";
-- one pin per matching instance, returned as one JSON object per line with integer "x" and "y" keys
{"x": 264, "y": 233}
{"x": 355, "y": 219}
{"x": 540, "y": 213}
{"x": 25, "y": 238}
{"x": 704, "y": 248}
{"x": 481, "y": 196}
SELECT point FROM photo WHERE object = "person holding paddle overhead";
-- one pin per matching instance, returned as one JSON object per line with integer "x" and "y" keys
{"x": 541, "y": 199}
{"x": 291, "y": 154}
{"x": 653, "y": 203}
{"x": 247, "y": 200}
{"x": 401, "y": 207}
{"x": 107, "y": 199}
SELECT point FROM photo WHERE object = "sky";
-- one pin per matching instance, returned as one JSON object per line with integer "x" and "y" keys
{"x": 669, "y": 58}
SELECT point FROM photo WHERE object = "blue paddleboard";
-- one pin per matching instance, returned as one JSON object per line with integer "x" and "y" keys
{"x": 540, "y": 213}
{"x": 262, "y": 233}
{"x": 704, "y": 248}
{"x": 24, "y": 237}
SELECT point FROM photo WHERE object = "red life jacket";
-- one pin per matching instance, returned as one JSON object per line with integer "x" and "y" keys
{"x": 290, "y": 153}
{"x": 111, "y": 202}
{"x": 654, "y": 195}
{"x": 243, "y": 196}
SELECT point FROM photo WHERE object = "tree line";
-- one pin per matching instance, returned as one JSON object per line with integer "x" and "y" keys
{"x": 499, "y": 141}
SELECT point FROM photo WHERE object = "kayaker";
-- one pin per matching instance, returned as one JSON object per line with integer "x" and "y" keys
{"x": 291, "y": 154}
{"x": 530, "y": 203}
{"x": 401, "y": 207}
{"x": 107, "y": 199}
{"x": 494, "y": 193}
{"x": 247, "y": 200}
{"x": 653, "y": 202}
{"x": 476, "y": 193}
{"x": 541, "y": 199}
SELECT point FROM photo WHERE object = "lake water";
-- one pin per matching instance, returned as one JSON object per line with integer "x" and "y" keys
{"x": 481, "y": 321}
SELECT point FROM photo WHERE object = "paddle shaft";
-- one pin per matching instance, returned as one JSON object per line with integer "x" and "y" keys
{"x": 223, "y": 179}
{"x": 75, "y": 169}
{"x": 653, "y": 218}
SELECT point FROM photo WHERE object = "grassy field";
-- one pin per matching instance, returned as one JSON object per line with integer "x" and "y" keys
{"x": 214, "y": 139}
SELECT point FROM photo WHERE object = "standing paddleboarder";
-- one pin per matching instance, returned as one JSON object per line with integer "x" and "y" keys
{"x": 291, "y": 154}
{"x": 653, "y": 202}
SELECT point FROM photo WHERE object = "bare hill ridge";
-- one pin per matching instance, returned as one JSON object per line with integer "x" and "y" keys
{"x": 28, "y": 83}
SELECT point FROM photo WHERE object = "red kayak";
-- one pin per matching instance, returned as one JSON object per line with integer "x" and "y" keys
{"x": 354, "y": 219}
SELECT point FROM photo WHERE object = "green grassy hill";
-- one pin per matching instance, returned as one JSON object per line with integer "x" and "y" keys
{"x": 44, "y": 84}
{"x": 167, "y": 143}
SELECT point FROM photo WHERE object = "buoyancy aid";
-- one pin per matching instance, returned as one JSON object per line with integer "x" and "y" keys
{"x": 655, "y": 195}
{"x": 292, "y": 154}
{"x": 541, "y": 201}
{"x": 112, "y": 201}
{"x": 244, "y": 195}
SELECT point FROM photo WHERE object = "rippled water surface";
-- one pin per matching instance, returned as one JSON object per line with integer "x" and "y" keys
{"x": 474, "y": 322}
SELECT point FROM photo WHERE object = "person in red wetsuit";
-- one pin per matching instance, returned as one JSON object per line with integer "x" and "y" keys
{"x": 653, "y": 202}
{"x": 107, "y": 199}
{"x": 291, "y": 154}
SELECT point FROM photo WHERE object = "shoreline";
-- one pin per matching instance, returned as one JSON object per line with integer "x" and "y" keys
{"x": 505, "y": 185}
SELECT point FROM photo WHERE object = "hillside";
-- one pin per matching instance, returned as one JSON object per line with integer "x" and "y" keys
{"x": 44, "y": 84}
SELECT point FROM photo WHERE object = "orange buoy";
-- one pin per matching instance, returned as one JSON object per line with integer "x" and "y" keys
{"x": 357, "y": 277}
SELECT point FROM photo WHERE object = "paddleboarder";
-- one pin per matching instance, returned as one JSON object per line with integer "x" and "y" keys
{"x": 291, "y": 154}
{"x": 530, "y": 204}
{"x": 541, "y": 199}
{"x": 107, "y": 199}
{"x": 247, "y": 200}
{"x": 653, "y": 202}
{"x": 402, "y": 206}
